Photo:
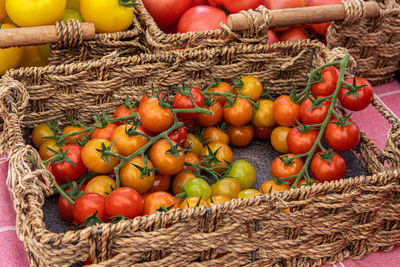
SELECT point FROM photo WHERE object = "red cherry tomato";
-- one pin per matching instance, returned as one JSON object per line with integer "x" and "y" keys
{"x": 301, "y": 143}
{"x": 123, "y": 111}
{"x": 215, "y": 2}
{"x": 280, "y": 170}
{"x": 327, "y": 86}
{"x": 199, "y": 2}
{"x": 293, "y": 34}
{"x": 183, "y": 102}
{"x": 179, "y": 136}
{"x": 342, "y": 138}
{"x": 104, "y": 133}
{"x": 364, "y": 95}
{"x": 161, "y": 183}
{"x": 322, "y": 28}
{"x": 235, "y": 6}
{"x": 241, "y": 136}
{"x": 272, "y": 38}
{"x": 124, "y": 201}
{"x": 314, "y": 115}
{"x": 65, "y": 171}
{"x": 64, "y": 207}
{"x": 201, "y": 18}
{"x": 325, "y": 171}
{"x": 283, "y": 4}
{"x": 86, "y": 205}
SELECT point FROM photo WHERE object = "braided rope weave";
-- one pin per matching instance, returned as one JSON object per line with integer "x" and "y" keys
{"x": 328, "y": 222}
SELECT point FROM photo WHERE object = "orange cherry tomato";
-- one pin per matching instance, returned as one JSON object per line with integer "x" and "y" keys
{"x": 72, "y": 129}
{"x": 93, "y": 160}
{"x": 193, "y": 202}
{"x": 304, "y": 183}
{"x": 190, "y": 157}
{"x": 293, "y": 34}
{"x": 206, "y": 120}
{"x": 239, "y": 114}
{"x": 279, "y": 139}
{"x": 222, "y": 87}
{"x": 155, "y": 118}
{"x": 268, "y": 186}
{"x": 101, "y": 184}
{"x": 285, "y": 111}
{"x": 213, "y": 134}
{"x": 241, "y": 136}
{"x": 180, "y": 181}
{"x": 228, "y": 187}
{"x": 44, "y": 151}
{"x": 280, "y": 170}
{"x": 104, "y": 133}
{"x": 159, "y": 201}
{"x": 130, "y": 175}
{"x": 224, "y": 155}
{"x": 161, "y": 183}
{"x": 127, "y": 145}
{"x": 165, "y": 163}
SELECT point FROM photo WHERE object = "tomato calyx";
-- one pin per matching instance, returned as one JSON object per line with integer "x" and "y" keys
{"x": 316, "y": 102}
{"x": 327, "y": 155}
{"x": 59, "y": 157}
{"x": 318, "y": 77}
{"x": 215, "y": 82}
{"x": 75, "y": 192}
{"x": 287, "y": 160}
{"x": 105, "y": 152}
{"x": 132, "y": 130}
{"x": 353, "y": 88}
{"x": 117, "y": 219}
{"x": 267, "y": 95}
{"x": 90, "y": 221}
{"x": 128, "y": 3}
{"x": 175, "y": 149}
{"x": 303, "y": 128}
{"x": 342, "y": 121}
{"x": 165, "y": 209}
{"x": 145, "y": 170}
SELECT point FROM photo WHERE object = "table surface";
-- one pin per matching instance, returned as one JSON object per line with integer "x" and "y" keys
{"x": 12, "y": 251}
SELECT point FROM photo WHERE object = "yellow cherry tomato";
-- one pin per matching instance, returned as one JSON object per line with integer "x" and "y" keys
{"x": 194, "y": 144}
{"x": 264, "y": 116}
{"x": 40, "y": 133}
{"x": 107, "y": 15}
{"x": 71, "y": 14}
{"x": 279, "y": 139}
{"x": 74, "y": 4}
{"x": 219, "y": 199}
{"x": 94, "y": 161}
{"x": 224, "y": 156}
{"x": 32, "y": 57}
{"x": 252, "y": 88}
{"x": 2, "y": 9}
{"x": 10, "y": 57}
{"x": 213, "y": 134}
{"x": 248, "y": 193}
{"x": 228, "y": 187}
{"x": 29, "y": 13}
{"x": 44, "y": 151}
{"x": 131, "y": 176}
{"x": 101, "y": 184}
{"x": 193, "y": 202}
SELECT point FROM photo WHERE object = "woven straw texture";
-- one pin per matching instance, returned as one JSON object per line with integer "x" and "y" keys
{"x": 327, "y": 222}
{"x": 374, "y": 43}
{"x": 72, "y": 48}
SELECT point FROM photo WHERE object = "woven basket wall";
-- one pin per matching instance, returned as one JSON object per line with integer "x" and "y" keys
{"x": 327, "y": 222}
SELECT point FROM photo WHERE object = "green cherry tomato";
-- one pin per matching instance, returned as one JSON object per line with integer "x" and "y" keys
{"x": 197, "y": 187}
{"x": 70, "y": 14}
{"x": 243, "y": 172}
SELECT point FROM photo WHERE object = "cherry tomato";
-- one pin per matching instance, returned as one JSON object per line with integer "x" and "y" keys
{"x": 183, "y": 102}
{"x": 86, "y": 205}
{"x": 327, "y": 86}
{"x": 145, "y": 195}
{"x": 44, "y": 151}
{"x": 279, "y": 139}
{"x": 224, "y": 155}
{"x": 199, "y": 2}
{"x": 190, "y": 157}
{"x": 73, "y": 138}
{"x": 342, "y": 138}
{"x": 161, "y": 183}
{"x": 248, "y": 193}
{"x": 364, "y": 95}
{"x": 206, "y": 120}
{"x": 315, "y": 115}
{"x": 127, "y": 144}
{"x": 131, "y": 176}
{"x": 219, "y": 199}
{"x": 10, "y": 57}
{"x": 65, "y": 207}
{"x": 235, "y": 6}
{"x": 322, "y": 28}
{"x": 123, "y": 111}
{"x": 29, "y": 13}
{"x": 325, "y": 171}
{"x": 228, "y": 187}
{"x": 155, "y": 118}
{"x": 280, "y": 170}
{"x": 159, "y": 200}
{"x": 215, "y": 2}
{"x": 107, "y": 16}
{"x": 301, "y": 143}
{"x": 304, "y": 182}
{"x": 241, "y": 136}
{"x": 264, "y": 116}
{"x": 103, "y": 133}
{"x": 213, "y": 134}
{"x": 293, "y": 34}
{"x": 180, "y": 181}
{"x": 201, "y": 18}
{"x": 179, "y": 136}
{"x": 165, "y": 163}
{"x": 252, "y": 87}
{"x": 285, "y": 111}
{"x": 92, "y": 157}
{"x": 124, "y": 201}
{"x": 101, "y": 184}
{"x": 272, "y": 38}
{"x": 222, "y": 87}
{"x": 197, "y": 187}
{"x": 271, "y": 186}
{"x": 194, "y": 144}
{"x": 193, "y": 202}
{"x": 167, "y": 12}
{"x": 263, "y": 133}
{"x": 65, "y": 171}
{"x": 39, "y": 133}
{"x": 283, "y": 4}
{"x": 239, "y": 114}
{"x": 243, "y": 172}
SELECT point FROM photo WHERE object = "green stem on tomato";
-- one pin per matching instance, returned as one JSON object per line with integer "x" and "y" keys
{"x": 62, "y": 192}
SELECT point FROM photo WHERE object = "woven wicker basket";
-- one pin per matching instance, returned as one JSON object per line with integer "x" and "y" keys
{"x": 328, "y": 222}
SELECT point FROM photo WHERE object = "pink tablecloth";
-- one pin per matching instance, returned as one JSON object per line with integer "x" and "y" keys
{"x": 12, "y": 251}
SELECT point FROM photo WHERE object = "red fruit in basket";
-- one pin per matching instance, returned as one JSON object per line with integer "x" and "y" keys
{"x": 328, "y": 81}
{"x": 123, "y": 111}
{"x": 301, "y": 143}
{"x": 206, "y": 120}
{"x": 239, "y": 114}
{"x": 322, "y": 28}
{"x": 65, "y": 207}
{"x": 272, "y": 38}
{"x": 179, "y": 136}
{"x": 161, "y": 183}
{"x": 167, "y": 12}
{"x": 333, "y": 168}
{"x": 280, "y": 169}
{"x": 293, "y": 34}
{"x": 124, "y": 201}
{"x": 235, "y": 6}
{"x": 172, "y": 30}
{"x": 358, "y": 96}
{"x": 315, "y": 115}
{"x": 241, "y": 136}
{"x": 87, "y": 205}
{"x": 285, "y": 111}
{"x": 103, "y": 133}
{"x": 342, "y": 135}
{"x": 283, "y": 4}
{"x": 182, "y": 101}
{"x": 155, "y": 118}
{"x": 72, "y": 167}
{"x": 215, "y": 2}
{"x": 199, "y": 2}
{"x": 159, "y": 201}
{"x": 202, "y": 18}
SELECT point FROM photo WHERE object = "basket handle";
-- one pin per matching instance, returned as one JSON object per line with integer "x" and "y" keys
{"x": 300, "y": 16}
